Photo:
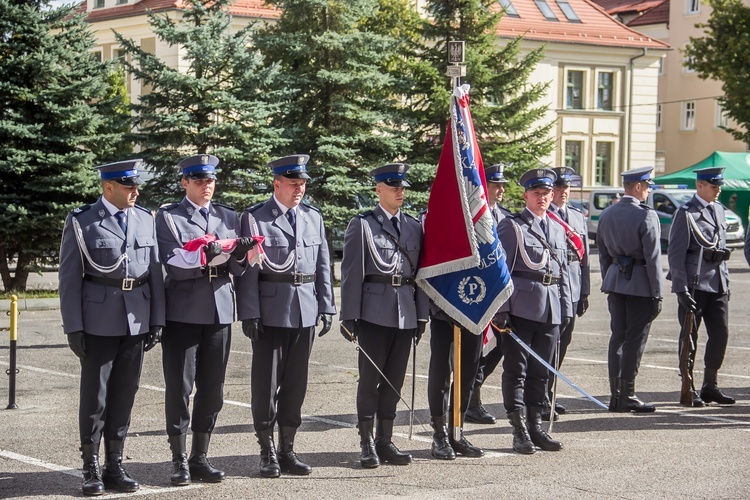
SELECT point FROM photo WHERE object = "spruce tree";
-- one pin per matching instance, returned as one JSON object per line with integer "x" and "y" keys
{"x": 222, "y": 104}
{"x": 342, "y": 108}
{"x": 55, "y": 124}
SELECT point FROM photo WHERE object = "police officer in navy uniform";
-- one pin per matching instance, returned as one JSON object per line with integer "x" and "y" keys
{"x": 579, "y": 270}
{"x": 476, "y": 412}
{"x": 700, "y": 278}
{"x": 280, "y": 305}
{"x": 200, "y": 312}
{"x": 539, "y": 308}
{"x": 382, "y": 307}
{"x": 628, "y": 238}
{"x": 112, "y": 306}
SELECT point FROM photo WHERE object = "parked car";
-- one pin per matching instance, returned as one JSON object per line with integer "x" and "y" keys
{"x": 665, "y": 201}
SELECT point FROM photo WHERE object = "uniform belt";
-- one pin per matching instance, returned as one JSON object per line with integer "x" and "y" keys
{"x": 639, "y": 262}
{"x": 543, "y": 278}
{"x": 295, "y": 279}
{"x": 216, "y": 272}
{"x": 124, "y": 283}
{"x": 390, "y": 279}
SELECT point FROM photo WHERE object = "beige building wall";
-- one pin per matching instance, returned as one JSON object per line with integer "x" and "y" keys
{"x": 682, "y": 142}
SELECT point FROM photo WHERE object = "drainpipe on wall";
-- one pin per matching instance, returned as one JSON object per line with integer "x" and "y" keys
{"x": 629, "y": 121}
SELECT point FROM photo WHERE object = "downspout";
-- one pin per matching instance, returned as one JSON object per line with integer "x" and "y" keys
{"x": 629, "y": 121}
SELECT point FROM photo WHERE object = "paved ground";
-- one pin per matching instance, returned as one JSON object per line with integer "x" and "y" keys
{"x": 674, "y": 453}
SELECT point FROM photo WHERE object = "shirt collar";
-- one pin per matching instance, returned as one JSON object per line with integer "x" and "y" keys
{"x": 388, "y": 214}
{"x": 113, "y": 209}
{"x": 703, "y": 202}
{"x": 284, "y": 209}
{"x": 198, "y": 207}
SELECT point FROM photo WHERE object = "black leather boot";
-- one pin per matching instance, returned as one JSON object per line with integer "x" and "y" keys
{"x": 92, "y": 484}
{"x": 384, "y": 447}
{"x": 710, "y": 392}
{"x": 269, "y": 462}
{"x": 628, "y": 401}
{"x": 538, "y": 435}
{"x": 180, "y": 469}
{"x": 288, "y": 460}
{"x": 476, "y": 413}
{"x": 463, "y": 447}
{"x": 113, "y": 475}
{"x": 547, "y": 410}
{"x": 200, "y": 467}
{"x": 441, "y": 447}
{"x": 614, "y": 391}
{"x": 368, "y": 457}
{"x": 521, "y": 439}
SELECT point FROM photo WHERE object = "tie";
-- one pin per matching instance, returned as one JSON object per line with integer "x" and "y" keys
{"x": 394, "y": 221}
{"x": 204, "y": 213}
{"x": 563, "y": 214}
{"x": 544, "y": 227}
{"x": 121, "y": 221}
{"x": 290, "y": 216}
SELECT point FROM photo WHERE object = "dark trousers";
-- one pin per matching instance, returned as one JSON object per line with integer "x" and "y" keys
{"x": 194, "y": 354}
{"x": 488, "y": 363}
{"x": 525, "y": 378}
{"x": 389, "y": 348}
{"x": 278, "y": 385}
{"x": 630, "y": 322}
{"x": 713, "y": 308}
{"x": 439, "y": 386}
{"x": 110, "y": 374}
{"x": 566, "y": 336}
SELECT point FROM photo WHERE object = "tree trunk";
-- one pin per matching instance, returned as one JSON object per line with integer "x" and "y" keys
{"x": 15, "y": 283}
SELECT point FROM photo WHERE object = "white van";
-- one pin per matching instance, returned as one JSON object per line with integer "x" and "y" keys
{"x": 665, "y": 200}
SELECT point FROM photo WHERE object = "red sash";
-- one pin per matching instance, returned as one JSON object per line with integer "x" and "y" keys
{"x": 575, "y": 242}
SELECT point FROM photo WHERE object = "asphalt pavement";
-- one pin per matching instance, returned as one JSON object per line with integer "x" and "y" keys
{"x": 675, "y": 452}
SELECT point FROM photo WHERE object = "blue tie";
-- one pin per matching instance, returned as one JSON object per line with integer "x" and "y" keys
{"x": 120, "y": 216}
{"x": 544, "y": 228}
{"x": 204, "y": 213}
{"x": 291, "y": 217}
{"x": 394, "y": 221}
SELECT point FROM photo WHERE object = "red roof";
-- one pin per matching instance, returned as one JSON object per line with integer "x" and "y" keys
{"x": 596, "y": 27}
{"x": 241, "y": 8}
{"x": 657, "y": 15}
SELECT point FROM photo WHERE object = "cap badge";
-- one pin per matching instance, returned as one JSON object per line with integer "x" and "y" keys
{"x": 540, "y": 173}
{"x": 300, "y": 160}
{"x": 204, "y": 159}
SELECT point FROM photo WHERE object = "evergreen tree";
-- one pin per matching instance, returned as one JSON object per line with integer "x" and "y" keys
{"x": 222, "y": 104}
{"x": 55, "y": 125}
{"x": 342, "y": 106}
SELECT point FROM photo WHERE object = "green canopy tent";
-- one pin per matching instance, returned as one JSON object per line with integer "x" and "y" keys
{"x": 735, "y": 193}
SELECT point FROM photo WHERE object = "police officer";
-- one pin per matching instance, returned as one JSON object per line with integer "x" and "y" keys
{"x": 200, "y": 311}
{"x": 382, "y": 308}
{"x": 628, "y": 238}
{"x": 700, "y": 278}
{"x": 280, "y": 306}
{"x": 539, "y": 308}
{"x": 112, "y": 306}
{"x": 476, "y": 412}
{"x": 578, "y": 268}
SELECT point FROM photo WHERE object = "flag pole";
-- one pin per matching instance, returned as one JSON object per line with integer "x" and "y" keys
{"x": 457, "y": 422}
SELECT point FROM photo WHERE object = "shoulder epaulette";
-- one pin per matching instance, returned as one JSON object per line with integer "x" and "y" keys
{"x": 222, "y": 205}
{"x": 645, "y": 207}
{"x": 171, "y": 206}
{"x": 503, "y": 209}
{"x": 410, "y": 216}
{"x": 144, "y": 209}
{"x": 365, "y": 214}
{"x": 311, "y": 207}
{"x": 571, "y": 207}
{"x": 255, "y": 207}
{"x": 80, "y": 210}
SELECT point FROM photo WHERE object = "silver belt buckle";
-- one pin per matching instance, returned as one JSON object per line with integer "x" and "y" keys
{"x": 546, "y": 279}
{"x": 127, "y": 284}
{"x": 213, "y": 272}
{"x": 396, "y": 280}
{"x": 298, "y": 279}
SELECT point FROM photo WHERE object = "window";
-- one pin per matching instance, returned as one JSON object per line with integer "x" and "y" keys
{"x": 688, "y": 115}
{"x": 574, "y": 93}
{"x": 661, "y": 66}
{"x": 120, "y": 2}
{"x": 686, "y": 62}
{"x": 604, "y": 89}
{"x": 722, "y": 118}
{"x": 693, "y": 6}
{"x": 567, "y": 9}
{"x": 509, "y": 9}
{"x": 603, "y": 164}
{"x": 573, "y": 151}
{"x": 546, "y": 9}
{"x": 96, "y": 55}
{"x": 98, "y": 4}
{"x": 658, "y": 117}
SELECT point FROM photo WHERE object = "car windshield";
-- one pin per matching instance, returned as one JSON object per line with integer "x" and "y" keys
{"x": 682, "y": 198}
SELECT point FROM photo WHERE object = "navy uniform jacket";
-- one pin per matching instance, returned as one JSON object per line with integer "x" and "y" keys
{"x": 381, "y": 303}
{"x": 579, "y": 272}
{"x": 96, "y": 308}
{"x": 630, "y": 229}
{"x": 280, "y": 304}
{"x": 684, "y": 250}
{"x": 191, "y": 296}
{"x": 499, "y": 212}
{"x": 531, "y": 299}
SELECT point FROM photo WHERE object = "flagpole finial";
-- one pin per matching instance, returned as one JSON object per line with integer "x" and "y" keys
{"x": 456, "y": 58}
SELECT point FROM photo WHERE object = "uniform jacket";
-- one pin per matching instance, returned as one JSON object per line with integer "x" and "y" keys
{"x": 191, "y": 296}
{"x": 531, "y": 299}
{"x": 579, "y": 272}
{"x": 684, "y": 250}
{"x": 499, "y": 212}
{"x": 102, "y": 309}
{"x": 630, "y": 229}
{"x": 381, "y": 303}
{"x": 285, "y": 305}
